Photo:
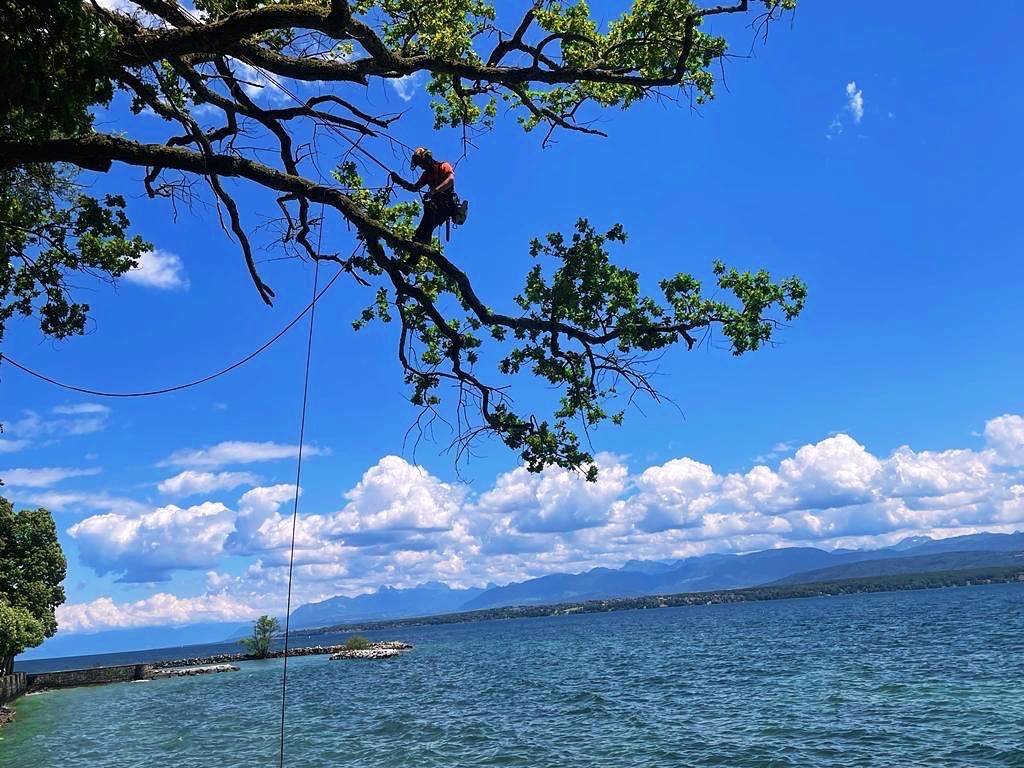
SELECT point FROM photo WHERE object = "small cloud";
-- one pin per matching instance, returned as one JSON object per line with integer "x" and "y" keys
{"x": 854, "y": 105}
{"x": 237, "y": 452}
{"x": 406, "y": 87}
{"x": 10, "y": 446}
{"x": 775, "y": 453}
{"x": 191, "y": 482}
{"x": 159, "y": 269}
{"x": 83, "y": 419}
{"x": 855, "y": 100}
{"x": 80, "y": 409}
{"x": 43, "y": 477}
{"x": 61, "y": 501}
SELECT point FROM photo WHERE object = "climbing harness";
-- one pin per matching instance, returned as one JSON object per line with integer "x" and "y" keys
{"x": 448, "y": 209}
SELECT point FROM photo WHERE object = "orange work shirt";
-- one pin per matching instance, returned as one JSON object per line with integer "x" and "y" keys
{"x": 436, "y": 174}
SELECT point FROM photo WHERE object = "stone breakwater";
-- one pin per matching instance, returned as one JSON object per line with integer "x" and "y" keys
{"x": 383, "y": 650}
{"x": 312, "y": 650}
{"x": 232, "y": 658}
{"x": 190, "y": 671}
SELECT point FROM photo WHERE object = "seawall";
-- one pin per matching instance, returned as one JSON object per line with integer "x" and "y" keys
{"x": 126, "y": 673}
{"x": 72, "y": 678}
{"x": 12, "y": 686}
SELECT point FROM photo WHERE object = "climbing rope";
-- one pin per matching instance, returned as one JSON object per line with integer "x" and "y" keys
{"x": 177, "y": 387}
{"x": 298, "y": 478}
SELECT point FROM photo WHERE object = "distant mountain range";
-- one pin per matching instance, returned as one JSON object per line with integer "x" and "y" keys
{"x": 791, "y": 565}
{"x": 386, "y": 603}
{"x": 637, "y": 578}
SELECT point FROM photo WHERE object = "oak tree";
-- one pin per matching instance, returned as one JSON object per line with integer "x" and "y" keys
{"x": 581, "y": 323}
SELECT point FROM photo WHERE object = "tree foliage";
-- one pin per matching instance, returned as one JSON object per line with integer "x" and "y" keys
{"x": 262, "y": 634}
{"x": 19, "y": 630}
{"x": 32, "y": 568}
{"x": 581, "y": 324}
{"x": 56, "y": 64}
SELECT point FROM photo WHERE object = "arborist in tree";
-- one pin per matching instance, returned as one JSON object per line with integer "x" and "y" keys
{"x": 440, "y": 203}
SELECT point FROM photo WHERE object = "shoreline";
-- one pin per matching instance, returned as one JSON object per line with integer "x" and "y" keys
{"x": 862, "y": 585}
{"x": 37, "y": 682}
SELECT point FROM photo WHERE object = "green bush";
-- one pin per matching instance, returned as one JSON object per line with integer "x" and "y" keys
{"x": 357, "y": 643}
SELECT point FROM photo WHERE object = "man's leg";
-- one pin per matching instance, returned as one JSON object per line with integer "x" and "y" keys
{"x": 425, "y": 230}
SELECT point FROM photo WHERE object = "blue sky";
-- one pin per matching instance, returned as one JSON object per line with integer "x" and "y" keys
{"x": 865, "y": 148}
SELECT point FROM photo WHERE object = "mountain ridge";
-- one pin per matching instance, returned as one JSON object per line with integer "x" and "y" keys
{"x": 638, "y": 578}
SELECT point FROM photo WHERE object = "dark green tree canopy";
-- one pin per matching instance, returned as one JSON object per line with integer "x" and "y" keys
{"x": 32, "y": 569}
{"x": 580, "y": 323}
{"x": 258, "y": 644}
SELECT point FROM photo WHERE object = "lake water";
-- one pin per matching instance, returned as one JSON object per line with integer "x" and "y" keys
{"x": 930, "y": 678}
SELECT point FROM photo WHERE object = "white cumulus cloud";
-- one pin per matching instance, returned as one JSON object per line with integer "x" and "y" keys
{"x": 1005, "y": 436}
{"x": 554, "y": 500}
{"x": 395, "y": 497}
{"x": 159, "y": 269}
{"x": 161, "y": 609}
{"x": 191, "y": 482}
{"x": 400, "y": 525}
{"x": 149, "y": 546}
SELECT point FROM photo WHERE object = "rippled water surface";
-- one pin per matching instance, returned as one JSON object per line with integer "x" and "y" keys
{"x": 930, "y": 678}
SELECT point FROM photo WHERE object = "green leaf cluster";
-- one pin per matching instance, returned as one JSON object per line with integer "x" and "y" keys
{"x": 49, "y": 231}
{"x": 55, "y": 58}
{"x": 19, "y": 630}
{"x": 585, "y": 327}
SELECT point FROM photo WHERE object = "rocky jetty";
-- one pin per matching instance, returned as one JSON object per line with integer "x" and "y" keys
{"x": 205, "y": 669}
{"x": 381, "y": 650}
{"x": 231, "y": 658}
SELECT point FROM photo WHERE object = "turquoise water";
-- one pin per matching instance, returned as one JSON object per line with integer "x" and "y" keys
{"x": 931, "y": 678}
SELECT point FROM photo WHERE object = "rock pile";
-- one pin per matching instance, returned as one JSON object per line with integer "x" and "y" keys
{"x": 382, "y": 650}
{"x": 6, "y": 715}
{"x": 190, "y": 671}
{"x": 230, "y": 658}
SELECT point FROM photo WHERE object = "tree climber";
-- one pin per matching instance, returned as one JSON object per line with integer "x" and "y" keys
{"x": 440, "y": 202}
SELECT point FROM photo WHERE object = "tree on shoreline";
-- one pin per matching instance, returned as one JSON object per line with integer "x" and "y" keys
{"x": 262, "y": 634}
{"x": 32, "y": 567}
{"x": 580, "y": 324}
